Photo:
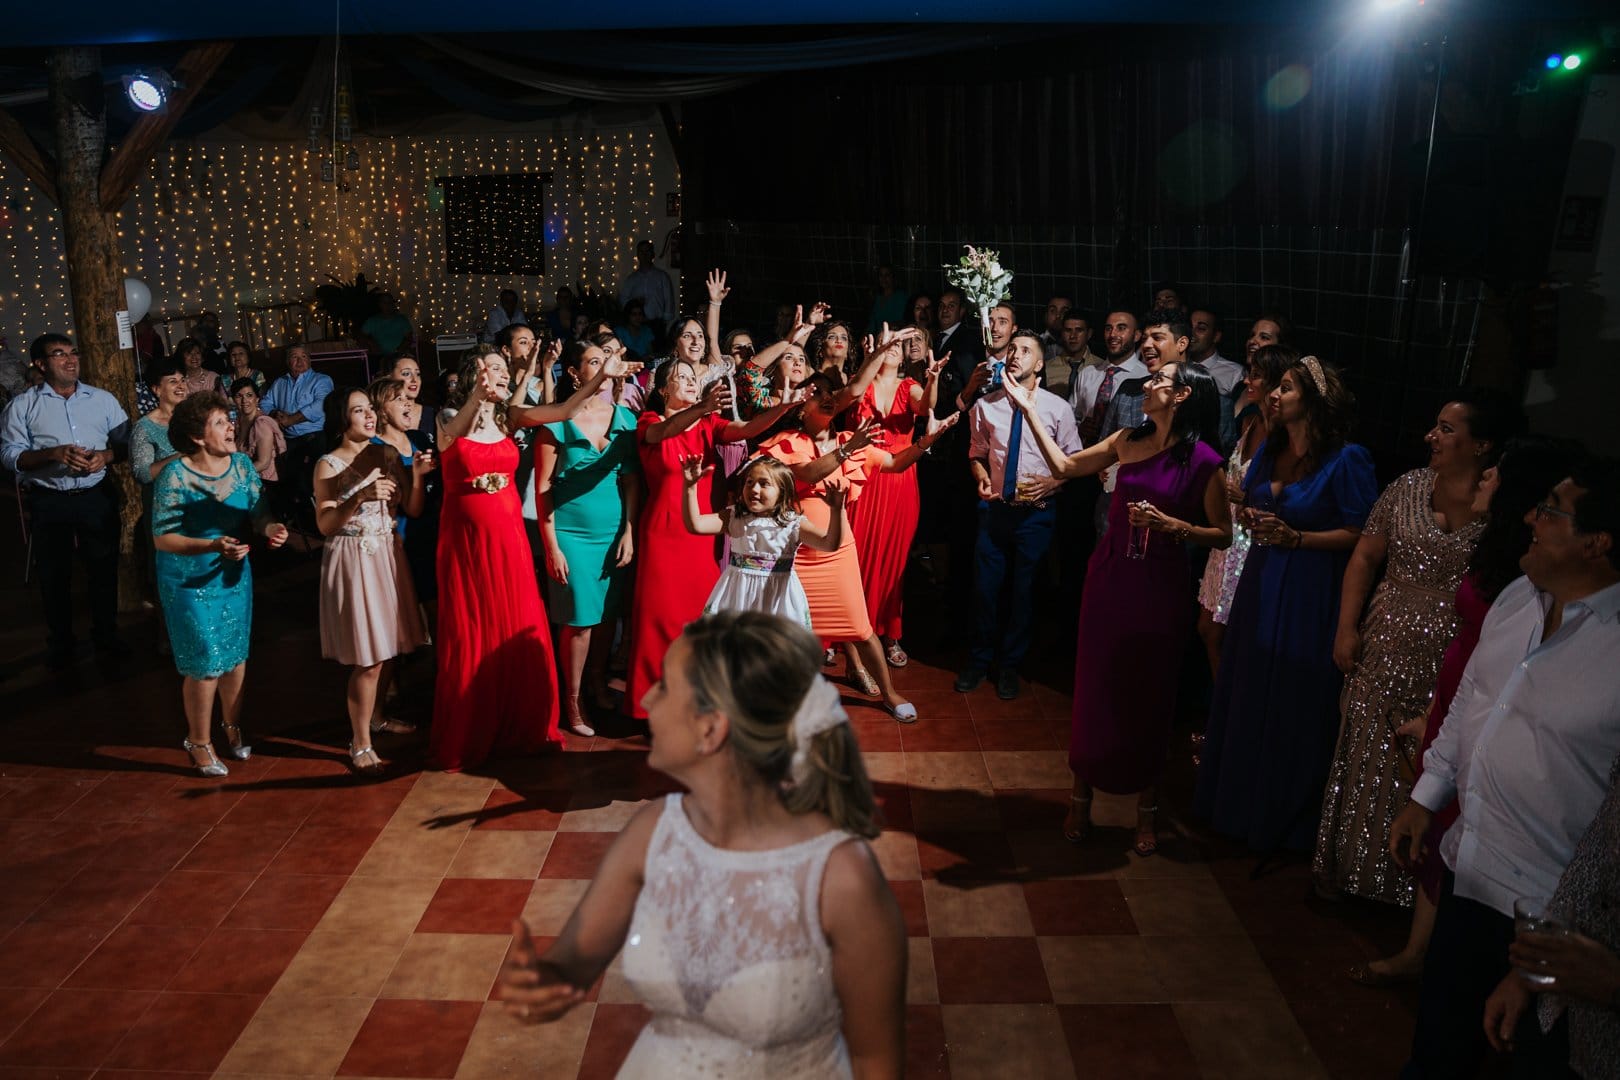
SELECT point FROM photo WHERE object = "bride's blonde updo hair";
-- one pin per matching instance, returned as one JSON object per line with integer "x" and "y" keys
{"x": 756, "y": 668}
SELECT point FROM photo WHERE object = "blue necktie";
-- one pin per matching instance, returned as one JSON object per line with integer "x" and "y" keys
{"x": 1009, "y": 478}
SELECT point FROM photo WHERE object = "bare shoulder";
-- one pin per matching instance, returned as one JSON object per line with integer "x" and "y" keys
{"x": 852, "y": 883}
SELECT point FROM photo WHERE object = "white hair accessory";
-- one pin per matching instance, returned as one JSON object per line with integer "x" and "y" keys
{"x": 819, "y": 711}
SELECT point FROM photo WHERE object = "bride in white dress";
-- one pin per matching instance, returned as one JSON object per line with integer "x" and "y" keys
{"x": 755, "y": 921}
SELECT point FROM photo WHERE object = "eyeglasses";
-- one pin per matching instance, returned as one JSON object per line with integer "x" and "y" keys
{"x": 1545, "y": 510}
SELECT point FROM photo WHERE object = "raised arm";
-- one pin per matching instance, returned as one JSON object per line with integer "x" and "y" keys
{"x": 925, "y": 398}
{"x": 855, "y": 389}
{"x": 1089, "y": 461}
{"x": 535, "y": 415}
{"x": 813, "y": 472}
{"x": 715, "y": 398}
{"x": 716, "y": 282}
{"x": 693, "y": 473}
{"x": 912, "y": 454}
{"x": 741, "y": 430}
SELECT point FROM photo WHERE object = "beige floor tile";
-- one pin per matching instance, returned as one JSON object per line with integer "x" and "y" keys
{"x": 993, "y": 909}
{"x": 922, "y": 985}
{"x": 885, "y": 767}
{"x": 1100, "y": 969}
{"x": 897, "y": 854}
{"x": 342, "y": 963}
{"x": 616, "y": 989}
{"x": 294, "y": 1035}
{"x": 380, "y": 905}
{"x": 551, "y": 902}
{"x": 501, "y": 854}
{"x": 411, "y": 852}
{"x": 945, "y": 769}
{"x": 1210, "y": 967}
{"x": 1028, "y": 768}
{"x": 1001, "y": 1041}
{"x": 1110, "y": 811}
{"x": 457, "y": 783}
{"x": 1193, "y": 905}
{"x": 600, "y": 813}
{"x": 1174, "y": 860}
{"x": 447, "y": 967}
{"x": 502, "y": 1045}
{"x": 1248, "y": 1040}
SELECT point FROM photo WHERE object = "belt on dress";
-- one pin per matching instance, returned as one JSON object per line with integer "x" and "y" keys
{"x": 1437, "y": 593}
{"x": 762, "y": 564}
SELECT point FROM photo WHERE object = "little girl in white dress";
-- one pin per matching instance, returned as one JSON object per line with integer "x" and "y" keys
{"x": 765, "y": 529}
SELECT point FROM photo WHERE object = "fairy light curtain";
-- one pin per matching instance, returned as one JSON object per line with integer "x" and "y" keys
{"x": 495, "y": 224}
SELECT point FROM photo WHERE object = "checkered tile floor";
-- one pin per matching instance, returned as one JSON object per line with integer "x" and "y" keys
{"x": 290, "y": 921}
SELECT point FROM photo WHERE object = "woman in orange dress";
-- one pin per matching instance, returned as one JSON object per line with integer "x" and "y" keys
{"x": 822, "y": 457}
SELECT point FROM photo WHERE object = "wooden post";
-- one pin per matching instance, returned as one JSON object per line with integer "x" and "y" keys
{"x": 95, "y": 269}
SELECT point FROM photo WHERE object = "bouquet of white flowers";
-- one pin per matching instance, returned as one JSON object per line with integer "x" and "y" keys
{"x": 980, "y": 275}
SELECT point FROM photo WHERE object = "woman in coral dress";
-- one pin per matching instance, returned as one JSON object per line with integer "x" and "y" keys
{"x": 497, "y": 683}
{"x": 678, "y": 568}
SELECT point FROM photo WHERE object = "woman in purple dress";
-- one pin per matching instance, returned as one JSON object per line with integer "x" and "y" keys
{"x": 1275, "y": 712}
{"x": 1139, "y": 605}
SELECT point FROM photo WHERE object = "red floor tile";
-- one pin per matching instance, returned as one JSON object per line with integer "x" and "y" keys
{"x": 954, "y": 811}
{"x": 233, "y": 960}
{"x": 75, "y": 1028}
{"x": 198, "y": 804}
{"x": 986, "y": 971}
{"x": 894, "y": 805}
{"x": 246, "y": 849}
{"x": 125, "y": 799}
{"x": 185, "y": 1032}
{"x": 16, "y": 1005}
{"x": 43, "y": 954}
{"x": 876, "y": 734}
{"x": 576, "y": 855}
{"x": 272, "y": 805}
{"x": 909, "y": 894}
{"x": 320, "y": 849}
{"x": 1139, "y": 1041}
{"x": 1017, "y": 733}
{"x": 391, "y": 1042}
{"x": 98, "y": 896}
{"x": 1070, "y": 908}
{"x": 151, "y": 845}
{"x": 195, "y": 898}
{"x": 285, "y": 903}
{"x": 1033, "y": 808}
{"x": 940, "y": 733}
{"x": 535, "y": 811}
{"x": 136, "y": 958}
{"x": 475, "y": 906}
{"x": 613, "y": 1031}
{"x": 925, "y": 1044}
{"x": 39, "y": 799}
{"x": 372, "y": 806}
{"x": 977, "y": 856}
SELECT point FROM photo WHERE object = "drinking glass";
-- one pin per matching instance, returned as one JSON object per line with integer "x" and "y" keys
{"x": 1532, "y": 915}
{"x": 1136, "y": 544}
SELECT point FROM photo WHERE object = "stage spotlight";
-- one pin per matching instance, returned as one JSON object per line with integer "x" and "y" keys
{"x": 1572, "y": 61}
{"x": 147, "y": 93}
{"x": 1554, "y": 61}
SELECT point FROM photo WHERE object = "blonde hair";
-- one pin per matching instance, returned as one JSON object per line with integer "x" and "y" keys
{"x": 756, "y": 668}
{"x": 470, "y": 374}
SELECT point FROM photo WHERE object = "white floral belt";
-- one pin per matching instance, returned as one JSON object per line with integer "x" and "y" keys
{"x": 491, "y": 482}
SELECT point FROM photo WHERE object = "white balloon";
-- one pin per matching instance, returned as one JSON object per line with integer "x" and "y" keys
{"x": 138, "y": 297}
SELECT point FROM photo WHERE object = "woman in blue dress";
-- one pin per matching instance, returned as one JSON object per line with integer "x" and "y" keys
{"x": 587, "y": 494}
{"x": 205, "y": 505}
{"x": 1275, "y": 712}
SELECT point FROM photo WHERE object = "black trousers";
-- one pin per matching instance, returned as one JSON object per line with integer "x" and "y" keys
{"x": 86, "y": 522}
{"x": 295, "y": 479}
{"x": 1467, "y": 957}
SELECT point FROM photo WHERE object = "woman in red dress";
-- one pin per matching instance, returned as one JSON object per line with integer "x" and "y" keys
{"x": 886, "y": 520}
{"x": 678, "y": 568}
{"x": 497, "y": 684}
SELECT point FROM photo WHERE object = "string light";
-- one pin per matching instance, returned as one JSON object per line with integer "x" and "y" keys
{"x": 224, "y": 226}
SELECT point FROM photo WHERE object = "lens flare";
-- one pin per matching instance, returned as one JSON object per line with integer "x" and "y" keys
{"x": 1287, "y": 87}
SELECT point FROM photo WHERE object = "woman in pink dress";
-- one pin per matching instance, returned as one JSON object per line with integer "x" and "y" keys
{"x": 497, "y": 681}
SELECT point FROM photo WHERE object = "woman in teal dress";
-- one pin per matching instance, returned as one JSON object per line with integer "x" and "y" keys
{"x": 205, "y": 505}
{"x": 588, "y": 490}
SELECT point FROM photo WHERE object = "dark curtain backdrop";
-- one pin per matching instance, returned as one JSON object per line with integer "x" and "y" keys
{"x": 1104, "y": 161}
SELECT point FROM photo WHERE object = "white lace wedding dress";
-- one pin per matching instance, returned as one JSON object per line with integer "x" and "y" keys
{"x": 726, "y": 949}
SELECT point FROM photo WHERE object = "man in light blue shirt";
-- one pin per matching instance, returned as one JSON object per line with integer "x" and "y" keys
{"x": 1525, "y": 749}
{"x": 58, "y": 438}
{"x": 297, "y": 402}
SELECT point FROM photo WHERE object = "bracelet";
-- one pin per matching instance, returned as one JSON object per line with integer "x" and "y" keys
{"x": 842, "y": 454}
{"x": 1299, "y": 539}
{"x": 714, "y": 303}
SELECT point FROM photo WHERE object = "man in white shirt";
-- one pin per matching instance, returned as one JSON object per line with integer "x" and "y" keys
{"x": 506, "y": 312}
{"x": 1017, "y": 512}
{"x": 1094, "y": 387}
{"x": 651, "y": 286}
{"x": 1205, "y": 351}
{"x": 1525, "y": 749}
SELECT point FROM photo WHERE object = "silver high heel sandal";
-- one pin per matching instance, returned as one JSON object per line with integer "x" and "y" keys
{"x": 215, "y": 767}
{"x": 239, "y": 750}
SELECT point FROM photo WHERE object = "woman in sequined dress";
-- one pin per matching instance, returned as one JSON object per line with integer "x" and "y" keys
{"x": 753, "y": 917}
{"x": 1507, "y": 492}
{"x": 1421, "y": 532}
{"x": 205, "y": 504}
{"x": 1221, "y": 572}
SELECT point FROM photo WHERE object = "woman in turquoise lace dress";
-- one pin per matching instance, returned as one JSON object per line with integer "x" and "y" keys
{"x": 205, "y": 505}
